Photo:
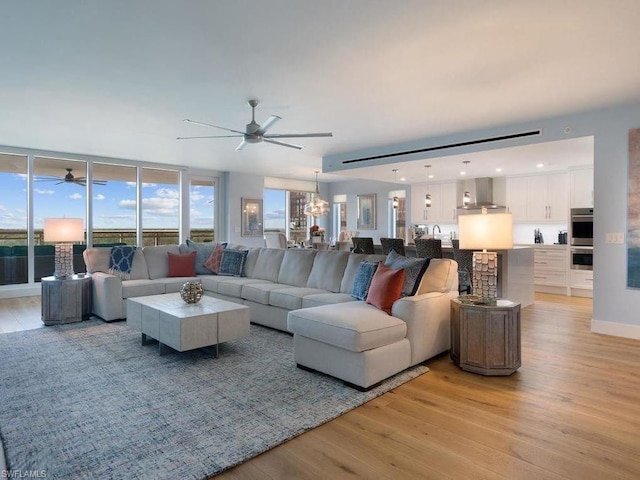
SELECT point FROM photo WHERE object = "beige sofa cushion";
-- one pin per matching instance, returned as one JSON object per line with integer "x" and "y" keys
{"x": 234, "y": 287}
{"x": 139, "y": 288}
{"x": 174, "y": 284}
{"x": 250, "y": 262}
{"x": 355, "y": 259}
{"x": 441, "y": 276}
{"x": 268, "y": 264}
{"x": 319, "y": 299}
{"x": 296, "y": 266}
{"x": 97, "y": 260}
{"x": 158, "y": 260}
{"x": 291, "y": 298}
{"x": 354, "y": 326}
{"x": 260, "y": 292}
{"x": 328, "y": 269}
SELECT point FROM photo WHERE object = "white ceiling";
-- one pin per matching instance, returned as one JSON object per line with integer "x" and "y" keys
{"x": 116, "y": 78}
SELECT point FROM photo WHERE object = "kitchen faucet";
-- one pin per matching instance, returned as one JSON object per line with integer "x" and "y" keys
{"x": 434, "y": 229}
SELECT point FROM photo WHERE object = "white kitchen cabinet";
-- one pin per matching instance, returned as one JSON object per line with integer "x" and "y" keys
{"x": 443, "y": 203}
{"x": 517, "y": 198}
{"x": 539, "y": 198}
{"x": 581, "y": 188}
{"x": 419, "y": 212}
{"x": 550, "y": 266}
{"x": 582, "y": 279}
{"x": 448, "y": 203}
{"x": 548, "y": 198}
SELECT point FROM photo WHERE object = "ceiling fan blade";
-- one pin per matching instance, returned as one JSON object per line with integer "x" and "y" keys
{"x": 290, "y": 145}
{"x": 268, "y": 124}
{"x": 99, "y": 182}
{"x": 298, "y": 135}
{"x": 46, "y": 179}
{"x": 210, "y": 136}
{"x": 241, "y": 145}
{"x": 213, "y": 126}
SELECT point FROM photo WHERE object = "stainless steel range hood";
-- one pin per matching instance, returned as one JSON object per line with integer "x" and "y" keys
{"x": 481, "y": 193}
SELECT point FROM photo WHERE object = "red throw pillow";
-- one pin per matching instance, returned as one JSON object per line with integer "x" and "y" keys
{"x": 182, "y": 265}
{"x": 386, "y": 287}
{"x": 213, "y": 262}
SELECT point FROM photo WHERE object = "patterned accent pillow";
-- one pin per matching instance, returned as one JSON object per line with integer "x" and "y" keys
{"x": 386, "y": 287}
{"x": 203, "y": 251}
{"x": 232, "y": 262}
{"x": 414, "y": 269}
{"x": 362, "y": 280}
{"x": 213, "y": 262}
{"x": 121, "y": 261}
{"x": 182, "y": 264}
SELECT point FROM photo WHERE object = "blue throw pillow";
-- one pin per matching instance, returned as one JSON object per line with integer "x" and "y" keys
{"x": 362, "y": 280}
{"x": 203, "y": 251}
{"x": 414, "y": 269}
{"x": 232, "y": 263}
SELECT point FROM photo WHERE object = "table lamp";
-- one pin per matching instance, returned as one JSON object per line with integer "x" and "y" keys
{"x": 482, "y": 232}
{"x": 63, "y": 231}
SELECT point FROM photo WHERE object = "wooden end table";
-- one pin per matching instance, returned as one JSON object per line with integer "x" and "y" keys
{"x": 485, "y": 339}
{"x": 66, "y": 300}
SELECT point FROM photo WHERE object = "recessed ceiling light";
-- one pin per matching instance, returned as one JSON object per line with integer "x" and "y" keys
{"x": 463, "y": 173}
{"x": 402, "y": 179}
{"x": 540, "y": 165}
{"x": 430, "y": 176}
{"x": 498, "y": 169}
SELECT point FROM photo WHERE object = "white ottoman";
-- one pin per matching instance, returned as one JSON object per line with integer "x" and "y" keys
{"x": 353, "y": 341}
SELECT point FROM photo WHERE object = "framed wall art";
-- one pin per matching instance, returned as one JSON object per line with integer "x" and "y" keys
{"x": 252, "y": 217}
{"x": 366, "y": 212}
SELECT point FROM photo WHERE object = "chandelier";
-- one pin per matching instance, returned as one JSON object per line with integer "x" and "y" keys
{"x": 317, "y": 206}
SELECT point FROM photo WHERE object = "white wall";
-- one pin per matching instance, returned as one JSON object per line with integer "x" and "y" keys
{"x": 353, "y": 188}
{"x": 614, "y": 305}
{"x": 239, "y": 185}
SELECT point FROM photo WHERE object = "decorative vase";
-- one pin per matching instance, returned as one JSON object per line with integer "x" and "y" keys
{"x": 191, "y": 292}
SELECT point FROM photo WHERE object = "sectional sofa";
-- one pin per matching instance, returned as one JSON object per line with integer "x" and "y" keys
{"x": 307, "y": 293}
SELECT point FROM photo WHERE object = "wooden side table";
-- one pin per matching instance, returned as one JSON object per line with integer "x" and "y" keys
{"x": 66, "y": 300}
{"x": 485, "y": 339}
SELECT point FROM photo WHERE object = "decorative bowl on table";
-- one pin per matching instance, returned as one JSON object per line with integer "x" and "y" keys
{"x": 191, "y": 292}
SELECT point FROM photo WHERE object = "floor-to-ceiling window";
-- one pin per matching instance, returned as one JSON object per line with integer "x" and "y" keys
{"x": 275, "y": 210}
{"x": 114, "y": 202}
{"x": 124, "y": 202}
{"x": 59, "y": 191}
{"x": 14, "y": 220}
{"x": 202, "y": 209}
{"x": 160, "y": 206}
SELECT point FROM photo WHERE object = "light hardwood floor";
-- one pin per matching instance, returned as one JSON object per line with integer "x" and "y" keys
{"x": 571, "y": 411}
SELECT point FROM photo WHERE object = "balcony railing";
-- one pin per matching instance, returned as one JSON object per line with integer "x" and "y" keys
{"x": 150, "y": 237}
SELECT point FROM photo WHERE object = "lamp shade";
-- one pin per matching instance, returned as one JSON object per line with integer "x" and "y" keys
{"x": 486, "y": 231}
{"x": 63, "y": 230}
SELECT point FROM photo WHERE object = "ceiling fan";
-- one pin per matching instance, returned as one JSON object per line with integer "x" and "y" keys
{"x": 256, "y": 133}
{"x": 68, "y": 178}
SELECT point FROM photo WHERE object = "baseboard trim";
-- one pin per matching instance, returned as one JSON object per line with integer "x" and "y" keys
{"x": 616, "y": 329}
{"x": 21, "y": 290}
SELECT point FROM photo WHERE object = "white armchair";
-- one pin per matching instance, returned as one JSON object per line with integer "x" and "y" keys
{"x": 275, "y": 240}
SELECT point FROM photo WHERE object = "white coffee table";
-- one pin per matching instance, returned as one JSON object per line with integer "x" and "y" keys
{"x": 183, "y": 326}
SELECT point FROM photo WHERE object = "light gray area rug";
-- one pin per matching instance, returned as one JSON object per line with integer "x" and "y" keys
{"x": 87, "y": 400}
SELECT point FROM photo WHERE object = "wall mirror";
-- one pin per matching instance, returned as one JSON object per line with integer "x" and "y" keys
{"x": 252, "y": 217}
{"x": 367, "y": 212}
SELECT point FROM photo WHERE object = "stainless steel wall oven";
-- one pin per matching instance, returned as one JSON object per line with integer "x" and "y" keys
{"x": 582, "y": 227}
{"x": 582, "y": 258}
